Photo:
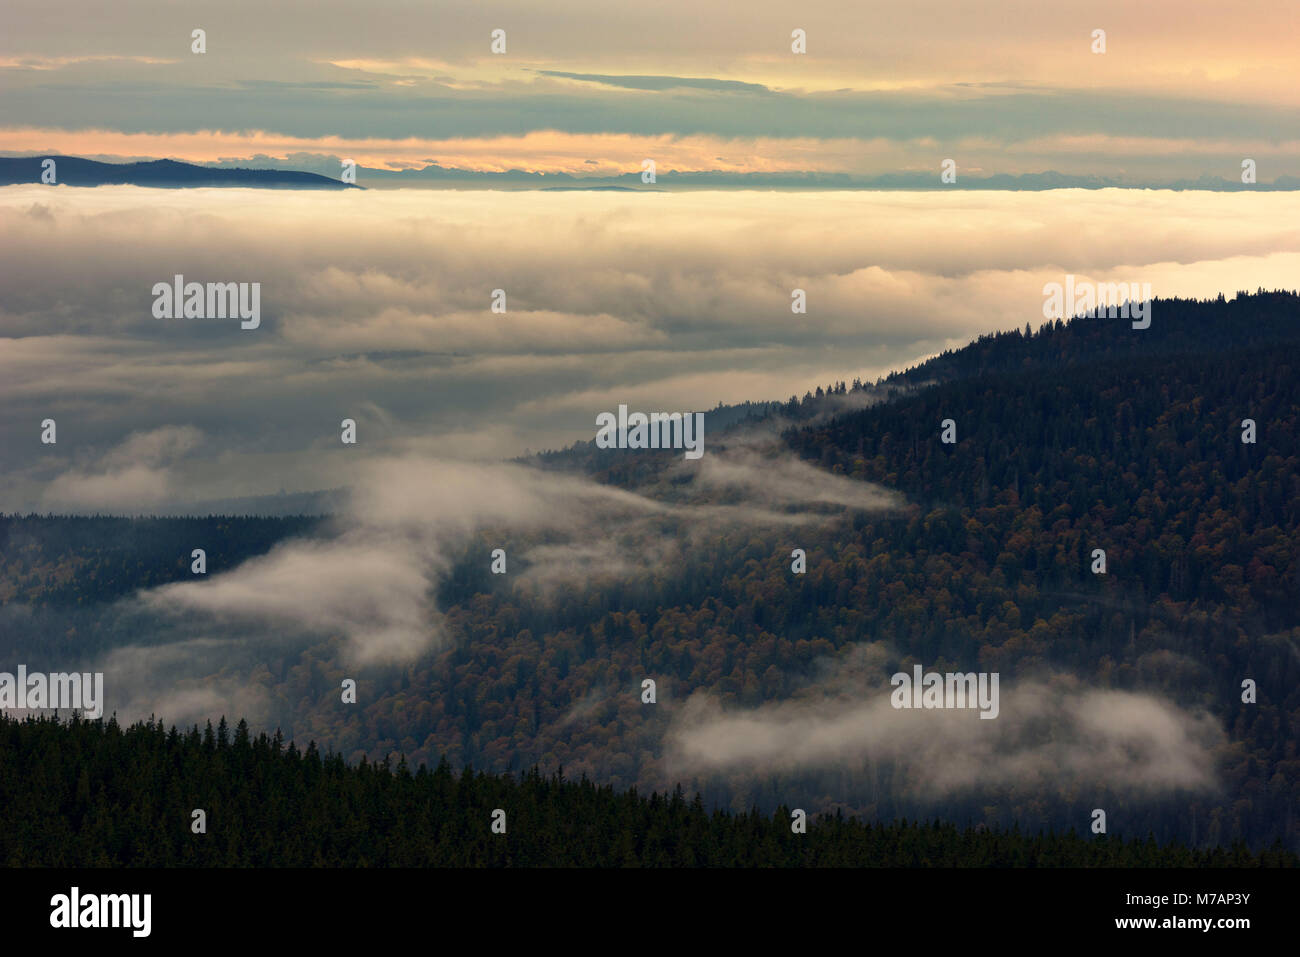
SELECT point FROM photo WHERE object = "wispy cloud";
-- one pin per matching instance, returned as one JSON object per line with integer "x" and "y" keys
{"x": 409, "y": 518}
{"x": 1053, "y": 734}
{"x": 660, "y": 82}
{"x": 133, "y": 475}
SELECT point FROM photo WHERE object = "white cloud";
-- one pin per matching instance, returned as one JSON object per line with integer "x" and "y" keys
{"x": 1052, "y": 734}
{"x": 131, "y": 476}
{"x": 375, "y": 307}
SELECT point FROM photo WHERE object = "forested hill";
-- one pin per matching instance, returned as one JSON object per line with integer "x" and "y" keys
{"x": 88, "y": 559}
{"x": 1178, "y": 327}
{"x": 91, "y": 794}
{"x": 1147, "y": 455}
{"x": 1084, "y": 436}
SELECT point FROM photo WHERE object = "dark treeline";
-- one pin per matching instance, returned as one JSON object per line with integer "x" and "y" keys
{"x": 1178, "y": 327}
{"x": 91, "y": 794}
{"x": 75, "y": 559}
{"x": 60, "y": 575}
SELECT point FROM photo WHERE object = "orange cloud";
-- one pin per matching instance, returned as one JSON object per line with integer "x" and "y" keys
{"x": 546, "y": 151}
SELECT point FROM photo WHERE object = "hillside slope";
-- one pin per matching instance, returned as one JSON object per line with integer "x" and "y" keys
{"x": 1087, "y": 435}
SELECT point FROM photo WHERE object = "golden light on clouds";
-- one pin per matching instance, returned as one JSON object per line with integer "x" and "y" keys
{"x": 606, "y": 154}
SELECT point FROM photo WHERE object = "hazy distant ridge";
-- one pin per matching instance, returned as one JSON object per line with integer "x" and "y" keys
{"x": 170, "y": 174}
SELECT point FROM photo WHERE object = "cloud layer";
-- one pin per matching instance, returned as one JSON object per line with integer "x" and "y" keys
{"x": 376, "y": 307}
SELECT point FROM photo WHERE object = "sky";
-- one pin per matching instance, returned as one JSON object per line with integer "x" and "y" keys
{"x": 1185, "y": 88}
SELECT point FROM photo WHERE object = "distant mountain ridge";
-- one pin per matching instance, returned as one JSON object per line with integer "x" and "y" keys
{"x": 436, "y": 175}
{"x": 164, "y": 174}
{"x": 316, "y": 170}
